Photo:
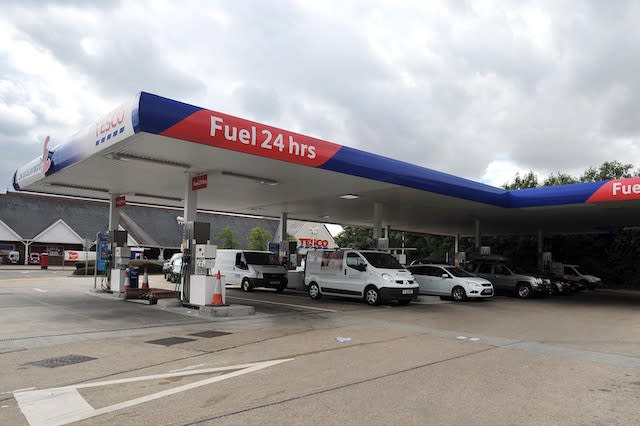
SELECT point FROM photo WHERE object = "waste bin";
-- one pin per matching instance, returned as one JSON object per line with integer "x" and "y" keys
{"x": 44, "y": 260}
{"x": 134, "y": 273}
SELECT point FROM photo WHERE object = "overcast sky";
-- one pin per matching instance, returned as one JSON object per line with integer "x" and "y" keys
{"x": 479, "y": 89}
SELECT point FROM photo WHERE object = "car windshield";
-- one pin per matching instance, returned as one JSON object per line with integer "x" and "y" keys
{"x": 257, "y": 258}
{"x": 458, "y": 272}
{"x": 382, "y": 260}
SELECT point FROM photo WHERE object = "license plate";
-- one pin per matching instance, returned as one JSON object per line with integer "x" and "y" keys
{"x": 407, "y": 291}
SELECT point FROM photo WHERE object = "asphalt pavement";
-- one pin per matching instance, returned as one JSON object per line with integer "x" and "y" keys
{"x": 71, "y": 355}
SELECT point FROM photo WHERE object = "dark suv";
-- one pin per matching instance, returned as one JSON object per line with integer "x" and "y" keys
{"x": 506, "y": 281}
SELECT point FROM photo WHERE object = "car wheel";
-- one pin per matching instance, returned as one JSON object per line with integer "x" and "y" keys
{"x": 314, "y": 291}
{"x": 523, "y": 291}
{"x": 246, "y": 285}
{"x": 458, "y": 294}
{"x": 372, "y": 296}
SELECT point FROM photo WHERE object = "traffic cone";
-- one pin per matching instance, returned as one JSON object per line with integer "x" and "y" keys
{"x": 127, "y": 280}
{"x": 145, "y": 279}
{"x": 216, "y": 298}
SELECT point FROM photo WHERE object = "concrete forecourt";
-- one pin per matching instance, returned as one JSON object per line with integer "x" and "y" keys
{"x": 70, "y": 355}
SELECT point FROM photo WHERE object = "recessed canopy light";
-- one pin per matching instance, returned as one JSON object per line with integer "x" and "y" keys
{"x": 349, "y": 196}
{"x": 326, "y": 216}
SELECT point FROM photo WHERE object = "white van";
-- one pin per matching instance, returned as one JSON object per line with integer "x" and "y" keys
{"x": 373, "y": 275}
{"x": 250, "y": 269}
{"x": 14, "y": 257}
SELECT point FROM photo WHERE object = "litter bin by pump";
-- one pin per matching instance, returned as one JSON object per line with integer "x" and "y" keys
{"x": 134, "y": 274}
{"x": 44, "y": 260}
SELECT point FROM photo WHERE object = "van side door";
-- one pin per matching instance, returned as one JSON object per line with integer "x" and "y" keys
{"x": 355, "y": 274}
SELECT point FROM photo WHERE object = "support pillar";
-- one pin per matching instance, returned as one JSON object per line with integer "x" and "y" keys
{"x": 190, "y": 200}
{"x": 377, "y": 222}
{"x": 456, "y": 245}
{"x": 477, "y": 239}
{"x": 540, "y": 249}
{"x": 114, "y": 213}
{"x": 284, "y": 217}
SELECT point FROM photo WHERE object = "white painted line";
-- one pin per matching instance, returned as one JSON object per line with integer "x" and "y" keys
{"x": 474, "y": 339}
{"x": 287, "y": 304}
{"x": 187, "y": 368}
{"x": 461, "y": 337}
{"x": 64, "y": 405}
{"x": 5, "y": 406}
{"x": 40, "y": 290}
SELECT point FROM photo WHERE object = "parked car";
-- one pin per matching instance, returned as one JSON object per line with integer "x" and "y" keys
{"x": 34, "y": 258}
{"x": 175, "y": 268}
{"x": 575, "y": 276}
{"x": 374, "y": 276}
{"x": 250, "y": 269}
{"x": 505, "y": 280}
{"x": 450, "y": 281}
{"x": 167, "y": 266}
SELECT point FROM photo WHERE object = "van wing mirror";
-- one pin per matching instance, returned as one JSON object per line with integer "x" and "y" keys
{"x": 362, "y": 267}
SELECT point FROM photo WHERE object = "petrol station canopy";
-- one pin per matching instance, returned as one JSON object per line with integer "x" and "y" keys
{"x": 152, "y": 148}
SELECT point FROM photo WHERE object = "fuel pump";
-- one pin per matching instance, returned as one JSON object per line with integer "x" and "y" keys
{"x": 197, "y": 261}
{"x": 120, "y": 259}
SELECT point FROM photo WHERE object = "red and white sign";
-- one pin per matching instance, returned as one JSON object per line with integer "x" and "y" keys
{"x": 617, "y": 190}
{"x": 313, "y": 243}
{"x": 236, "y": 134}
{"x": 73, "y": 255}
{"x": 199, "y": 182}
{"x": 121, "y": 201}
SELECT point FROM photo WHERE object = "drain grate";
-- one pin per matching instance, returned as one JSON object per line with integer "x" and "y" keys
{"x": 61, "y": 361}
{"x": 209, "y": 333}
{"x": 170, "y": 341}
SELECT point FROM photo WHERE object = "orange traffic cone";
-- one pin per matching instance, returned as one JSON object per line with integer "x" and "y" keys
{"x": 216, "y": 298}
{"x": 127, "y": 279}
{"x": 145, "y": 279}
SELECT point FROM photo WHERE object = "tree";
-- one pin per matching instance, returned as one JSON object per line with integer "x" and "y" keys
{"x": 530, "y": 180}
{"x": 226, "y": 239}
{"x": 258, "y": 238}
{"x": 559, "y": 179}
{"x": 607, "y": 171}
{"x": 357, "y": 237}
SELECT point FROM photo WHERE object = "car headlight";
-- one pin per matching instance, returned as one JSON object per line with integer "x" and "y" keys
{"x": 473, "y": 284}
{"x": 260, "y": 275}
{"x": 538, "y": 280}
{"x": 387, "y": 277}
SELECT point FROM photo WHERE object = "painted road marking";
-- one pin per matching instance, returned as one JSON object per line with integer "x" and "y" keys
{"x": 40, "y": 290}
{"x": 188, "y": 368}
{"x": 283, "y": 304}
{"x": 64, "y": 405}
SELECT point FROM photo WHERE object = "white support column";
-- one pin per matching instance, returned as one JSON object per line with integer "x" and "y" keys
{"x": 456, "y": 245}
{"x": 377, "y": 222}
{"x": 477, "y": 241}
{"x": 26, "y": 251}
{"x": 114, "y": 213}
{"x": 190, "y": 199}
{"x": 387, "y": 232}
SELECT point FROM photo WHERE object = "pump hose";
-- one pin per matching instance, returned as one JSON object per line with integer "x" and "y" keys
{"x": 179, "y": 288}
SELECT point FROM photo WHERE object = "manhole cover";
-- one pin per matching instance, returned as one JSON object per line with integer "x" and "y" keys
{"x": 61, "y": 361}
{"x": 170, "y": 341}
{"x": 210, "y": 333}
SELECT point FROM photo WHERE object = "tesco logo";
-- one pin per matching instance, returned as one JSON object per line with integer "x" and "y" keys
{"x": 310, "y": 242}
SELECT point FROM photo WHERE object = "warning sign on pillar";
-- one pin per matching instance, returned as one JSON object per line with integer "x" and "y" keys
{"x": 121, "y": 201}
{"x": 199, "y": 182}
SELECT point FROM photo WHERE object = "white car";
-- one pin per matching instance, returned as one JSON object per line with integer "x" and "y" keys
{"x": 450, "y": 281}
